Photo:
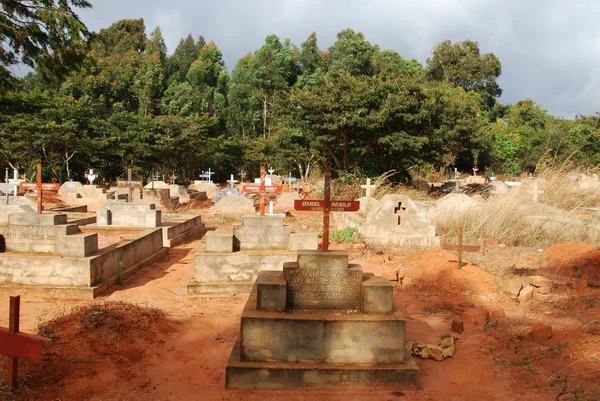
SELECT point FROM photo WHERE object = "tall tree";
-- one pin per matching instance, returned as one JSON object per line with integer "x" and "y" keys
{"x": 462, "y": 64}
{"x": 351, "y": 53}
{"x": 42, "y": 33}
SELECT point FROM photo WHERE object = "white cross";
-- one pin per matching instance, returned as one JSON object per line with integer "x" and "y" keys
{"x": 271, "y": 171}
{"x": 536, "y": 192}
{"x": 232, "y": 181}
{"x": 475, "y": 170}
{"x": 368, "y": 187}
{"x": 91, "y": 176}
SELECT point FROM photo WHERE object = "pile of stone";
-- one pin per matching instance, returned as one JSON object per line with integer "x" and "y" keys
{"x": 533, "y": 287}
{"x": 444, "y": 350}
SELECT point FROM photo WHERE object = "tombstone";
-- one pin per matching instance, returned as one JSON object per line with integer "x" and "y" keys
{"x": 227, "y": 192}
{"x": 208, "y": 187}
{"x": 395, "y": 220}
{"x": 475, "y": 180}
{"x": 285, "y": 202}
{"x": 498, "y": 187}
{"x": 233, "y": 205}
{"x": 69, "y": 187}
{"x": 125, "y": 214}
{"x": 232, "y": 258}
{"x": 321, "y": 323}
{"x": 161, "y": 197}
{"x": 452, "y": 206}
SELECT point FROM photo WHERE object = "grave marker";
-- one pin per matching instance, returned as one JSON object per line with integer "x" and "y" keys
{"x": 475, "y": 170}
{"x": 290, "y": 179}
{"x": 91, "y": 176}
{"x": 207, "y": 175}
{"x": 231, "y": 181}
{"x": 18, "y": 345}
{"x": 130, "y": 183}
{"x": 262, "y": 189}
{"x": 39, "y": 186}
{"x": 326, "y": 205}
{"x": 535, "y": 192}
{"x": 460, "y": 247}
{"x": 368, "y": 187}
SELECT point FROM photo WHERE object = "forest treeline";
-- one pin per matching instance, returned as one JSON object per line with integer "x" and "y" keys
{"x": 129, "y": 103}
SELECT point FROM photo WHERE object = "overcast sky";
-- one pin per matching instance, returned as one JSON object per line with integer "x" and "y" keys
{"x": 549, "y": 49}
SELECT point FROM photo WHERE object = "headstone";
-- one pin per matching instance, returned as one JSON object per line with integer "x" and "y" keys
{"x": 233, "y": 204}
{"x": 69, "y": 187}
{"x": 452, "y": 206}
{"x": 261, "y": 232}
{"x": 321, "y": 323}
{"x": 285, "y": 202}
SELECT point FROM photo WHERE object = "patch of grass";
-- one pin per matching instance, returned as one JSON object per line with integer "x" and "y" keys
{"x": 348, "y": 234}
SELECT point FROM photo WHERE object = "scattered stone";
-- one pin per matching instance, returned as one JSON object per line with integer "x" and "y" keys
{"x": 540, "y": 284}
{"x": 541, "y": 332}
{"x": 542, "y": 297}
{"x": 526, "y": 295}
{"x": 502, "y": 246}
{"x": 515, "y": 285}
{"x": 466, "y": 304}
{"x": 475, "y": 317}
{"x": 444, "y": 350}
{"x": 391, "y": 275}
{"x": 360, "y": 246}
{"x": 457, "y": 325}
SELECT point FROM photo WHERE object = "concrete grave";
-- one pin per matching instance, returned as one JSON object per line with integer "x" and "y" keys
{"x": 161, "y": 197}
{"x": 453, "y": 205}
{"x": 498, "y": 188}
{"x": 69, "y": 187}
{"x": 285, "y": 202}
{"x": 321, "y": 323}
{"x": 231, "y": 260}
{"x": 89, "y": 195}
{"x": 208, "y": 187}
{"x": 176, "y": 227}
{"x": 7, "y": 210}
{"x": 233, "y": 204}
{"x": 475, "y": 180}
{"x": 394, "y": 220}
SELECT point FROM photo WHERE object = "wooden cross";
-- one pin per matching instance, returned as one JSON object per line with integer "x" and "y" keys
{"x": 39, "y": 186}
{"x": 460, "y": 248}
{"x": 242, "y": 175}
{"x": 18, "y": 345}
{"x": 535, "y": 192}
{"x": 326, "y": 205}
{"x": 400, "y": 211}
{"x": 262, "y": 189}
{"x": 368, "y": 187}
{"x": 232, "y": 181}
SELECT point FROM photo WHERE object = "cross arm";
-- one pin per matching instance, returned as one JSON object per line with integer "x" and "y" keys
{"x": 21, "y": 345}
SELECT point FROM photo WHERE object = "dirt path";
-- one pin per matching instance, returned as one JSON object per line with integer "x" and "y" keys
{"x": 185, "y": 358}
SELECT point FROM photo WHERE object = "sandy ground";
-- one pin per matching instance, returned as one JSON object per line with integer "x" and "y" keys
{"x": 182, "y": 354}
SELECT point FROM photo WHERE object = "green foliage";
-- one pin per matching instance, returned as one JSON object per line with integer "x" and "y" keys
{"x": 348, "y": 234}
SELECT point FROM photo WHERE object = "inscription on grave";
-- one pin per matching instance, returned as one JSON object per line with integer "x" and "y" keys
{"x": 323, "y": 289}
{"x": 33, "y": 232}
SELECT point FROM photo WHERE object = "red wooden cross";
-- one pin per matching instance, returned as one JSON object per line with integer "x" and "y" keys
{"x": 326, "y": 205}
{"x": 40, "y": 186}
{"x": 262, "y": 188}
{"x": 18, "y": 345}
{"x": 462, "y": 248}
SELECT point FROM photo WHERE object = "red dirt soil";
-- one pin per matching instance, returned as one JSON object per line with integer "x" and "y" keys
{"x": 107, "y": 350}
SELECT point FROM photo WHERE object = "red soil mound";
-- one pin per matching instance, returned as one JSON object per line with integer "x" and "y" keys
{"x": 575, "y": 260}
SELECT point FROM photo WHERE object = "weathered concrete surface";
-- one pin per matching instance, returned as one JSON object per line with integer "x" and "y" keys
{"x": 7, "y": 210}
{"x": 377, "y": 295}
{"x": 81, "y": 244}
{"x": 303, "y": 240}
{"x": 205, "y": 186}
{"x": 271, "y": 291}
{"x": 395, "y": 220}
{"x": 32, "y": 232}
{"x": 178, "y": 228}
{"x": 69, "y": 187}
{"x": 233, "y": 204}
{"x": 261, "y": 232}
{"x": 161, "y": 197}
{"x": 50, "y": 270}
{"x": 285, "y": 202}
{"x": 218, "y": 241}
{"x": 238, "y": 266}
{"x": 124, "y": 214}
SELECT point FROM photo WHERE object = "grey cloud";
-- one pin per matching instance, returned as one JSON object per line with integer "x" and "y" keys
{"x": 549, "y": 49}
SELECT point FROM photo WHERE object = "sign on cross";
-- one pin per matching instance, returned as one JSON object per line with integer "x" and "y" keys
{"x": 39, "y": 186}
{"x": 290, "y": 179}
{"x": 460, "y": 247}
{"x": 368, "y": 187}
{"x": 326, "y": 205}
{"x": 262, "y": 189}
{"x": 18, "y": 345}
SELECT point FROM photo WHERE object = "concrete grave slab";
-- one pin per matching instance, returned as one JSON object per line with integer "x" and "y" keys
{"x": 234, "y": 205}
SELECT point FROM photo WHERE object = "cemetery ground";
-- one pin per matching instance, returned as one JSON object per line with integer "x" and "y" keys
{"x": 149, "y": 339}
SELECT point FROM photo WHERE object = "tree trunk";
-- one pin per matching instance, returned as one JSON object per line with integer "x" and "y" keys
{"x": 345, "y": 152}
{"x": 335, "y": 159}
{"x": 265, "y": 118}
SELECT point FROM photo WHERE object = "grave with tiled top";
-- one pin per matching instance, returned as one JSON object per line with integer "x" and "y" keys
{"x": 321, "y": 323}
{"x": 232, "y": 258}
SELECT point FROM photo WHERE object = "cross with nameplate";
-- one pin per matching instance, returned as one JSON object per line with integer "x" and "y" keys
{"x": 15, "y": 344}
{"x": 39, "y": 186}
{"x": 290, "y": 179}
{"x": 460, "y": 247}
{"x": 368, "y": 187}
{"x": 262, "y": 189}
{"x": 327, "y": 206}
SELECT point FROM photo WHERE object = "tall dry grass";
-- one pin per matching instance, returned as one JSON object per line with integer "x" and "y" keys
{"x": 514, "y": 219}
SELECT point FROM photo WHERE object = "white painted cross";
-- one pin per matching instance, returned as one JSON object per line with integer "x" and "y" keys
{"x": 173, "y": 178}
{"x": 207, "y": 176}
{"x": 475, "y": 170}
{"x": 271, "y": 171}
{"x": 91, "y": 176}
{"x": 231, "y": 181}
{"x": 535, "y": 192}
{"x": 368, "y": 187}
